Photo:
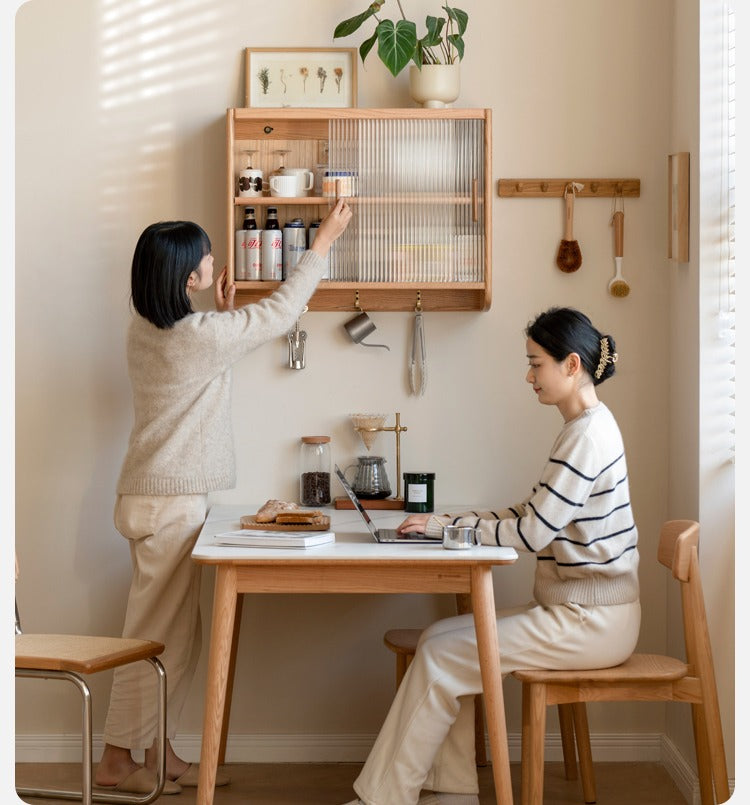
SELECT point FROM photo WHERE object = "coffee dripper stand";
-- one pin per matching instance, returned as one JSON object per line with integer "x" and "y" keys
{"x": 368, "y": 425}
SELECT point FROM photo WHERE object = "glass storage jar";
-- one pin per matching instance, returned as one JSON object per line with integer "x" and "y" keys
{"x": 315, "y": 471}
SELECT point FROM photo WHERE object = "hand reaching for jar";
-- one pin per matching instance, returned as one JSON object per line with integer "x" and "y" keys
{"x": 331, "y": 227}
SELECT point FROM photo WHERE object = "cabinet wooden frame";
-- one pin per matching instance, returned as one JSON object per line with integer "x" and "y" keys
{"x": 678, "y": 214}
{"x": 305, "y": 132}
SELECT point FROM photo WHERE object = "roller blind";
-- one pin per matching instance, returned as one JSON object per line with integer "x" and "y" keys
{"x": 728, "y": 290}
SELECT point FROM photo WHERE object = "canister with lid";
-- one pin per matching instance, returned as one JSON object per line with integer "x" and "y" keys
{"x": 419, "y": 492}
{"x": 315, "y": 471}
{"x": 338, "y": 183}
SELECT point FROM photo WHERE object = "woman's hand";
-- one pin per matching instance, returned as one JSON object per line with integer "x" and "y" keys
{"x": 331, "y": 227}
{"x": 414, "y": 522}
{"x": 223, "y": 293}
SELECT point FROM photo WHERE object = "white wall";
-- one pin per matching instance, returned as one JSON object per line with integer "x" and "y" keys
{"x": 120, "y": 122}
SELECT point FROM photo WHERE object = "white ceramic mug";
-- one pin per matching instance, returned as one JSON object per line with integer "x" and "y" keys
{"x": 283, "y": 186}
{"x": 305, "y": 179}
{"x": 251, "y": 182}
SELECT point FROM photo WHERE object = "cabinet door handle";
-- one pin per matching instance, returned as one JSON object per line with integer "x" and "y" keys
{"x": 474, "y": 201}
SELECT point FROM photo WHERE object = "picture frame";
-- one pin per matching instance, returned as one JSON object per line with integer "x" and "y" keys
{"x": 678, "y": 242}
{"x": 300, "y": 77}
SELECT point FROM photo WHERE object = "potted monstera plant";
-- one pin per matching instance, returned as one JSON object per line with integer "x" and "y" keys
{"x": 434, "y": 58}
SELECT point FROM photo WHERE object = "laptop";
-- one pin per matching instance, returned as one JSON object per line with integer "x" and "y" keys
{"x": 382, "y": 534}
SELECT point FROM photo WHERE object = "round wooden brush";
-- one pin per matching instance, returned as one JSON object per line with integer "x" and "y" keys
{"x": 618, "y": 286}
{"x": 569, "y": 254}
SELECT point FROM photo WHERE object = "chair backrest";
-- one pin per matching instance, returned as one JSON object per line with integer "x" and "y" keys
{"x": 678, "y": 550}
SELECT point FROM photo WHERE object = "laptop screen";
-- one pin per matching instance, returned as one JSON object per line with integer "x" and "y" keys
{"x": 355, "y": 500}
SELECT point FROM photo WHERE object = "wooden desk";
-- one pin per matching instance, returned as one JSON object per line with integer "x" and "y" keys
{"x": 353, "y": 564}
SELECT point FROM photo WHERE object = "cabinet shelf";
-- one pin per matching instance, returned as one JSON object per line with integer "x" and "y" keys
{"x": 422, "y": 209}
{"x": 393, "y": 296}
{"x": 325, "y": 201}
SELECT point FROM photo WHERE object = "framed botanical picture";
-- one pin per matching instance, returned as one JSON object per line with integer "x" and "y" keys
{"x": 317, "y": 77}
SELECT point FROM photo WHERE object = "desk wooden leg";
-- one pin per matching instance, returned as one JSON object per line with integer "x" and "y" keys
{"x": 230, "y": 681}
{"x": 219, "y": 658}
{"x": 485, "y": 621}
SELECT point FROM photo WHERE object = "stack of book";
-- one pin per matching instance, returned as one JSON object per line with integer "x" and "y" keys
{"x": 274, "y": 539}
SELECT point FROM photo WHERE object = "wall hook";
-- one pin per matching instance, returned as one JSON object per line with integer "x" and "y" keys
{"x": 356, "y": 301}
{"x": 418, "y": 307}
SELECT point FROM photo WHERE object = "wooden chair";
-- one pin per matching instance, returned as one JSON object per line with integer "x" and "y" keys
{"x": 643, "y": 677}
{"x": 72, "y": 657}
{"x": 403, "y": 643}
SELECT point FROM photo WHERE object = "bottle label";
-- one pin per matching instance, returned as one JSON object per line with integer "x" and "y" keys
{"x": 417, "y": 493}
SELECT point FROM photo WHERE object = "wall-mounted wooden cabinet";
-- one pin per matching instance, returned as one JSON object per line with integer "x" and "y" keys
{"x": 421, "y": 179}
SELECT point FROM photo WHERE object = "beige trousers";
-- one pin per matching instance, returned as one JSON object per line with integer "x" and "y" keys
{"x": 427, "y": 740}
{"x": 163, "y": 605}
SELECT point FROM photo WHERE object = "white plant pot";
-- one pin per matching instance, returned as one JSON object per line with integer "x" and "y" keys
{"x": 435, "y": 85}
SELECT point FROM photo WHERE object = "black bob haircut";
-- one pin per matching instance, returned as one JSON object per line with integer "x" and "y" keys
{"x": 562, "y": 330}
{"x": 165, "y": 255}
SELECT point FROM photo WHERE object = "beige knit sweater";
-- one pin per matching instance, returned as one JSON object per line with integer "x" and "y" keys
{"x": 182, "y": 441}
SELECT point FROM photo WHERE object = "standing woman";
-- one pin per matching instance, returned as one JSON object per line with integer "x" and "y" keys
{"x": 181, "y": 449}
{"x": 579, "y": 523}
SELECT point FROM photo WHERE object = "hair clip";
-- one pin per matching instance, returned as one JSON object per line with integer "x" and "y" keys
{"x": 605, "y": 357}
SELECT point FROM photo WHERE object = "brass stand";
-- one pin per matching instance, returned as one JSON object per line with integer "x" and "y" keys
{"x": 398, "y": 429}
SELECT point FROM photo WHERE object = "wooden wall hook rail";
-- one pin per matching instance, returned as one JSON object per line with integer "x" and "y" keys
{"x": 555, "y": 188}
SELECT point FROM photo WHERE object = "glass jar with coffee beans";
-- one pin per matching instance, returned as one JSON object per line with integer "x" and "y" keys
{"x": 315, "y": 471}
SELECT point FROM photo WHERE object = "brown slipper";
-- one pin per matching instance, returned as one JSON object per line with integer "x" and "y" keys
{"x": 189, "y": 778}
{"x": 142, "y": 781}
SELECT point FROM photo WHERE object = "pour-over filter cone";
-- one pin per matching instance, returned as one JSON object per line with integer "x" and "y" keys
{"x": 367, "y": 421}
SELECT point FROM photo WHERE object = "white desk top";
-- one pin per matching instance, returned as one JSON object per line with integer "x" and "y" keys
{"x": 353, "y": 541}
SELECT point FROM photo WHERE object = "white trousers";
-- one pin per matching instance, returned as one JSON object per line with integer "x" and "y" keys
{"x": 163, "y": 605}
{"x": 427, "y": 739}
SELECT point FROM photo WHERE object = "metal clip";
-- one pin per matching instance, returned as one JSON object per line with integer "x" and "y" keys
{"x": 297, "y": 340}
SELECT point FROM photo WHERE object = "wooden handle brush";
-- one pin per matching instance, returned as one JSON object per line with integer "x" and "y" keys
{"x": 618, "y": 285}
{"x": 569, "y": 254}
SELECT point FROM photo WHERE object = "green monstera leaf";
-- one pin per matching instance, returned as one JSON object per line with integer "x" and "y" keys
{"x": 396, "y": 44}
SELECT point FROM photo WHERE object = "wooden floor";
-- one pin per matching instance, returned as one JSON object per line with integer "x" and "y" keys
{"x": 331, "y": 784}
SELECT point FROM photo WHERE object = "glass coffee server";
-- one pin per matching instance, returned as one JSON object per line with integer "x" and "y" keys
{"x": 418, "y": 181}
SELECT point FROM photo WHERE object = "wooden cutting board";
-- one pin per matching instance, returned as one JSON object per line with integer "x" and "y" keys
{"x": 248, "y": 521}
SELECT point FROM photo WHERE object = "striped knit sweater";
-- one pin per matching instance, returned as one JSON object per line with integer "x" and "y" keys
{"x": 577, "y": 520}
{"x": 182, "y": 441}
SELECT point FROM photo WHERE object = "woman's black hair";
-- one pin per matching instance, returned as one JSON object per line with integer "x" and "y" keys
{"x": 562, "y": 330}
{"x": 165, "y": 255}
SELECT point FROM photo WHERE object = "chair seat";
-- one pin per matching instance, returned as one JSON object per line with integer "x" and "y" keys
{"x": 637, "y": 668}
{"x": 402, "y": 641}
{"x": 83, "y": 654}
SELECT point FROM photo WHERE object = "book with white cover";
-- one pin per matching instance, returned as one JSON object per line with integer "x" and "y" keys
{"x": 274, "y": 539}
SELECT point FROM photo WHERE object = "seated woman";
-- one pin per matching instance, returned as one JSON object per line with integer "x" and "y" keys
{"x": 585, "y": 613}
